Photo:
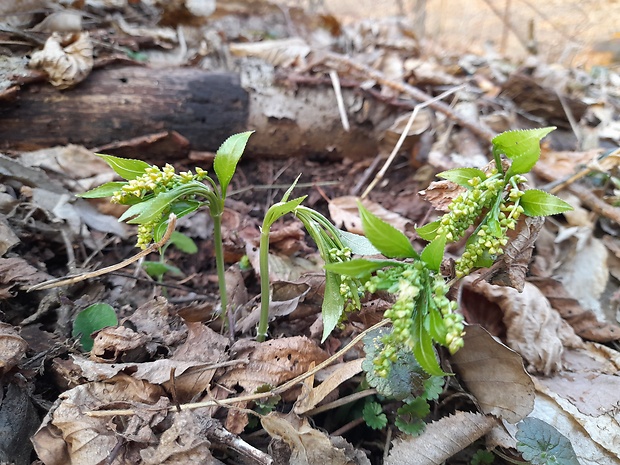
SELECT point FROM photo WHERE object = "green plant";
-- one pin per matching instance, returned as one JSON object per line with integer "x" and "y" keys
{"x": 153, "y": 193}
{"x": 157, "y": 269}
{"x": 542, "y": 444}
{"x": 482, "y": 457}
{"x": 92, "y": 318}
{"x": 490, "y": 203}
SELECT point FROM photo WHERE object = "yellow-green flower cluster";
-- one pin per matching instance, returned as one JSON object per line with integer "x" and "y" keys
{"x": 417, "y": 290}
{"x": 467, "y": 207}
{"x": 349, "y": 287}
{"x": 483, "y": 241}
{"x": 155, "y": 181}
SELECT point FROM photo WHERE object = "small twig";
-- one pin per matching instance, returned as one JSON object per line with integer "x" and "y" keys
{"x": 475, "y": 127}
{"x": 333, "y": 75}
{"x": 348, "y": 427}
{"x": 342, "y": 401}
{"x": 172, "y": 221}
{"x": 261, "y": 395}
{"x": 404, "y": 135}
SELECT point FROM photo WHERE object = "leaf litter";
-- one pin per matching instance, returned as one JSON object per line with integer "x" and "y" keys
{"x": 127, "y": 400}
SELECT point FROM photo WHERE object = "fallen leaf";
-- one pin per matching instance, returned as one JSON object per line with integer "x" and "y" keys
{"x": 8, "y": 238}
{"x": 344, "y": 213}
{"x": 342, "y": 373}
{"x": 18, "y": 421}
{"x": 12, "y": 347}
{"x": 441, "y": 440}
{"x": 308, "y": 445}
{"x": 533, "y": 329}
{"x": 283, "y": 52}
{"x": 494, "y": 374}
{"x": 118, "y": 343}
{"x": 17, "y": 272}
{"x": 65, "y": 65}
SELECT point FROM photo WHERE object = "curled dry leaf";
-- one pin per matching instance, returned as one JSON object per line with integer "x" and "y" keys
{"x": 441, "y": 440}
{"x": 344, "y": 213}
{"x": 12, "y": 347}
{"x": 584, "y": 322}
{"x": 154, "y": 319}
{"x": 118, "y": 343}
{"x": 494, "y": 374}
{"x": 308, "y": 445}
{"x": 65, "y": 65}
{"x": 534, "y": 329}
{"x": 342, "y": 373}
{"x": 67, "y": 435}
{"x": 16, "y": 271}
{"x": 273, "y": 363}
{"x": 441, "y": 193}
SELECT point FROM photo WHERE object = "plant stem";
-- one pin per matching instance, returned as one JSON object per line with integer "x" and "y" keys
{"x": 263, "y": 324}
{"x": 219, "y": 263}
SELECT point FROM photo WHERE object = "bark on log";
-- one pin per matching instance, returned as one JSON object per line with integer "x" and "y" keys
{"x": 204, "y": 107}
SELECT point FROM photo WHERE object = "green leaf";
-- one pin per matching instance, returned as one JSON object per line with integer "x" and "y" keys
{"x": 542, "y": 444}
{"x": 410, "y": 416}
{"x": 521, "y": 146}
{"x": 278, "y": 210}
{"x": 91, "y": 319}
{"x": 436, "y": 326}
{"x": 433, "y": 387}
{"x": 152, "y": 209}
{"x": 482, "y": 457}
{"x": 183, "y": 242}
{"x": 359, "y": 245}
{"x": 126, "y": 168}
{"x": 358, "y": 267}
{"x": 423, "y": 350}
{"x": 386, "y": 238}
{"x": 406, "y": 378}
{"x": 105, "y": 190}
{"x": 373, "y": 415}
{"x": 288, "y": 192}
{"x": 333, "y": 304}
{"x": 428, "y": 232}
{"x": 228, "y": 156}
{"x": 540, "y": 203}
{"x": 461, "y": 176}
{"x": 432, "y": 254}
{"x": 180, "y": 209}
{"x": 158, "y": 269}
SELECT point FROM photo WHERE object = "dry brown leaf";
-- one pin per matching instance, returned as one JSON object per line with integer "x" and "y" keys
{"x": 582, "y": 403}
{"x": 154, "y": 319}
{"x": 534, "y": 329}
{"x": 308, "y": 445}
{"x": 494, "y": 374}
{"x": 8, "y": 238}
{"x": 273, "y": 362}
{"x": 68, "y": 436}
{"x": 16, "y": 271}
{"x": 342, "y": 373}
{"x": 65, "y": 65}
{"x": 118, "y": 343}
{"x": 12, "y": 347}
{"x": 441, "y": 193}
{"x": 583, "y": 321}
{"x": 557, "y": 165}
{"x": 18, "y": 422}
{"x": 344, "y": 213}
{"x": 441, "y": 440}
{"x": 184, "y": 441}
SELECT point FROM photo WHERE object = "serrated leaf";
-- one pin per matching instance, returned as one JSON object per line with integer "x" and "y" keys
{"x": 158, "y": 269}
{"x": 373, "y": 415}
{"x": 228, "y": 156}
{"x": 423, "y": 349}
{"x": 436, "y": 326}
{"x": 406, "y": 377}
{"x": 432, "y": 254}
{"x": 126, "y": 168}
{"x": 433, "y": 387}
{"x": 386, "y": 238}
{"x": 359, "y": 245}
{"x": 542, "y": 444}
{"x": 93, "y": 318}
{"x": 428, "y": 232}
{"x": 105, "y": 190}
{"x": 520, "y": 146}
{"x": 540, "y": 203}
{"x": 184, "y": 243}
{"x": 358, "y": 267}
{"x": 333, "y": 304}
{"x": 410, "y": 416}
{"x": 461, "y": 176}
